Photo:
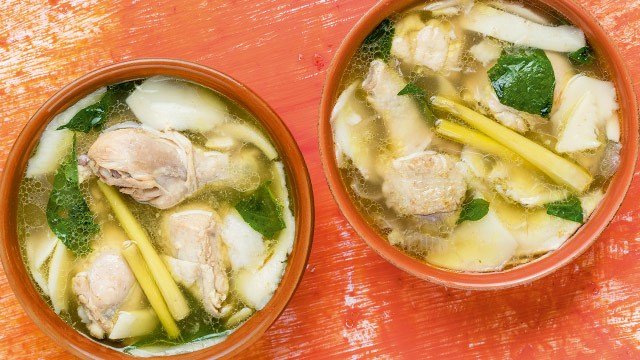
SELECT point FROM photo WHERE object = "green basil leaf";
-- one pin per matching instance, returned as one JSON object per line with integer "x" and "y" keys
{"x": 378, "y": 43}
{"x": 68, "y": 214}
{"x": 523, "y": 79}
{"x": 420, "y": 96}
{"x": 262, "y": 211}
{"x": 581, "y": 56}
{"x": 474, "y": 210}
{"x": 94, "y": 116}
{"x": 568, "y": 209}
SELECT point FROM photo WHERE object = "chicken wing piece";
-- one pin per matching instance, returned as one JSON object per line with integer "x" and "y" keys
{"x": 195, "y": 256}
{"x": 159, "y": 168}
{"x": 101, "y": 289}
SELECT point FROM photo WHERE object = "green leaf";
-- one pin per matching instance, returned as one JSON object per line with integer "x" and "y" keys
{"x": 523, "y": 79}
{"x": 378, "y": 42}
{"x": 568, "y": 209}
{"x": 262, "y": 211}
{"x": 581, "y": 56}
{"x": 68, "y": 214}
{"x": 152, "y": 341}
{"x": 412, "y": 89}
{"x": 421, "y": 98}
{"x": 474, "y": 210}
{"x": 94, "y": 116}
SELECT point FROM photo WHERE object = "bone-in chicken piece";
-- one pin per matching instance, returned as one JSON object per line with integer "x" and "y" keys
{"x": 408, "y": 131}
{"x": 159, "y": 168}
{"x": 424, "y": 183}
{"x": 195, "y": 256}
{"x": 101, "y": 289}
{"x": 434, "y": 44}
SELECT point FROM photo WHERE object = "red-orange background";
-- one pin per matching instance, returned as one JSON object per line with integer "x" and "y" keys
{"x": 351, "y": 303}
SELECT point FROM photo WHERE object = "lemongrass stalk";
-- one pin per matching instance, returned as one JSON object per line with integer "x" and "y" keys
{"x": 559, "y": 169}
{"x": 239, "y": 317}
{"x": 474, "y": 139}
{"x": 150, "y": 288}
{"x": 170, "y": 291}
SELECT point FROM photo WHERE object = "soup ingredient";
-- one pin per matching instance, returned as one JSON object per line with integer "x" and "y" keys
{"x": 482, "y": 95}
{"x": 245, "y": 246}
{"x": 474, "y": 139}
{"x": 559, "y": 169}
{"x": 55, "y": 144}
{"x": 171, "y": 294}
{"x": 563, "y": 72}
{"x": 249, "y": 135}
{"x": 262, "y": 211}
{"x": 538, "y": 232}
{"x": 94, "y": 116}
{"x": 68, "y": 214}
{"x": 151, "y": 289}
{"x": 424, "y": 183}
{"x": 255, "y": 286}
{"x": 355, "y": 130}
{"x": 524, "y": 80}
{"x": 156, "y": 168}
{"x": 610, "y": 159}
{"x": 133, "y": 324}
{"x": 195, "y": 256}
{"x": 166, "y": 347}
{"x": 59, "y": 269}
{"x": 581, "y": 56}
{"x": 486, "y": 51}
{"x": 101, "y": 289}
{"x": 170, "y": 104}
{"x": 587, "y": 111}
{"x": 407, "y": 130}
{"x": 579, "y": 129}
{"x": 483, "y": 245}
{"x": 39, "y": 247}
{"x": 434, "y": 44}
{"x": 569, "y": 209}
{"x": 524, "y": 185}
{"x": 420, "y": 97}
{"x": 474, "y": 210}
{"x": 520, "y": 31}
{"x": 520, "y": 10}
{"x": 239, "y": 317}
{"x": 448, "y": 7}
{"x": 378, "y": 44}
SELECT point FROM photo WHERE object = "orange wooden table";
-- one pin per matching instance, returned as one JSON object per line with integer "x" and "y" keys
{"x": 351, "y": 303}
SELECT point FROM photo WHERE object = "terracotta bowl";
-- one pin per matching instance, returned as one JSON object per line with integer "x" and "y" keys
{"x": 575, "y": 246}
{"x": 300, "y": 187}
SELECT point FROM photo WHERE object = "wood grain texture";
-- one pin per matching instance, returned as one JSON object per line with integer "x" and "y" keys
{"x": 351, "y": 303}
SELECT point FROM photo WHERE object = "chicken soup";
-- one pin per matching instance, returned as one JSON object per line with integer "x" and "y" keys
{"x": 476, "y": 135}
{"x": 154, "y": 216}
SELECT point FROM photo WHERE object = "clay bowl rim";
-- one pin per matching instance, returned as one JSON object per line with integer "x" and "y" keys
{"x": 295, "y": 166}
{"x": 573, "y": 247}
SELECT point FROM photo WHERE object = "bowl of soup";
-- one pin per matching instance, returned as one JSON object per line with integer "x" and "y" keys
{"x": 478, "y": 144}
{"x": 155, "y": 208}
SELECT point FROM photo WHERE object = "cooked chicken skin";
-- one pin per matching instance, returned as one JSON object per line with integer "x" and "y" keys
{"x": 157, "y": 168}
{"x": 424, "y": 183}
{"x": 195, "y": 256}
{"x": 102, "y": 289}
{"x": 408, "y": 132}
{"x": 433, "y": 45}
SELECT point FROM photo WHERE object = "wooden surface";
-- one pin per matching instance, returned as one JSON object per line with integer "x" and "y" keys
{"x": 351, "y": 303}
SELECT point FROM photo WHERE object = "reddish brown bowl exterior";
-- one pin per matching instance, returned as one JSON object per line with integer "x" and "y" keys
{"x": 575, "y": 246}
{"x": 296, "y": 169}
